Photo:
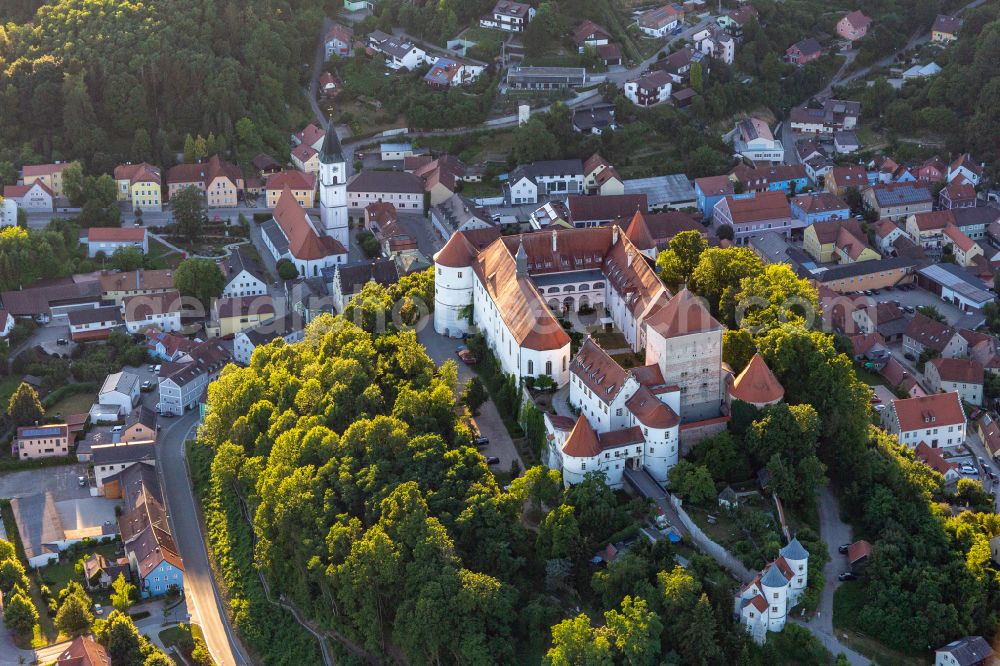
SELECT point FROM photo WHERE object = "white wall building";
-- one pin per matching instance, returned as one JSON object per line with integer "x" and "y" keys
{"x": 764, "y": 602}
{"x": 754, "y": 141}
{"x": 938, "y": 420}
{"x": 8, "y": 212}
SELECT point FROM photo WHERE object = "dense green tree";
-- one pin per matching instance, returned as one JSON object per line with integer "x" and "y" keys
{"x": 692, "y": 482}
{"x": 720, "y": 273}
{"x": 19, "y": 614}
{"x": 679, "y": 260}
{"x": 576, "y": 643}
{"x": 74, "y": 616}
{"x": 11, "y": 573}
{"x": 534, "y": 142}
{"x": 558, "y": 533}
{"x": 24, "y": 407}
{"x": 201, "y": 279}
{"x": 126, "y": 259}
{"x": 188, "y": 205}
{"x": 635, "y": 632}
{"x": 121, "y": 598}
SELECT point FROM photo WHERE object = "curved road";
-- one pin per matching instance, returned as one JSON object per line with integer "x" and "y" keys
{"x": 203, "y": 600}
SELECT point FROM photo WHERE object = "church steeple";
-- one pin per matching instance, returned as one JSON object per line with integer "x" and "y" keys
{"x": 332, "y": 152}
{"x": 522, "y": 260}
{"x": 333, "y": 187}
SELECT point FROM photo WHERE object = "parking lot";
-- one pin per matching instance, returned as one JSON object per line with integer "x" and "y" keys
{"x": 61, "y": 481}
{"x": 916, "y": 297}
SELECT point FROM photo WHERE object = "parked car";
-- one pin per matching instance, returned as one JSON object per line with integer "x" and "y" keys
{"x": 146, "y": 386}
{"x": 910, "y": 357}
{"x": 62, "y": 342}
{"x": 82, "y": 480}
{"x": 481, "y": 441}
{"x": 968, "y": 469}
{"x": 117, "y": 428}
{"x": 156, "y": 368}
{"x": 466, "y": 355}
{"x": 99, "y": 609}
{"x": 847, "y": 575}
{"x": 843, "y": 548}
{"x": 909, "y": 308}
{"x": 492, "y": 460}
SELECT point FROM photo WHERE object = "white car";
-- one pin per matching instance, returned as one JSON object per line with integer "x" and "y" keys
{"x": 968, "y": 469}
{"x": 99, "y": 609}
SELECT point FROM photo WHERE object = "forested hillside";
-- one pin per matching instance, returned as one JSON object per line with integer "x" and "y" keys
{"x": 106, "y": 80}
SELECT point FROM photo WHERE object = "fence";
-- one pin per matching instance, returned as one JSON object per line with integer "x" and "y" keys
{"x": 709, "y": 547}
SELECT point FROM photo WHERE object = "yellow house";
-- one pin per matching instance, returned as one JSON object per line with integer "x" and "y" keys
{"x": 964, "y": 248}
{"x": 141, "y": 185}
{"x": 233, "y": 315}
{"x": 819, "y": 240}
{"x": 50, "y": 175}
{"x": 302, "y": 185}
{"x": 306, "y": 158}
{"x": 221, "y": 181}
{"x": 609, "y": 183}
{"x": 841, "y": 178}
{"x": 945, "y": 29}
{"x": 851, "y": 248}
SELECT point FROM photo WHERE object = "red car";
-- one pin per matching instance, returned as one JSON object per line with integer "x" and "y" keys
{"x": 467, "y": 356}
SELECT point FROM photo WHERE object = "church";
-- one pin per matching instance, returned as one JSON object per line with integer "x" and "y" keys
{"x": 514, "y": 289}
{"x": 293, "y": 234}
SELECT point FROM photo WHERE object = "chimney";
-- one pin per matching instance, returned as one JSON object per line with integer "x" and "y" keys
{"x": 555, "y": 241}
{"x": 628, "y": 255}
{"x": 614, "y": 234}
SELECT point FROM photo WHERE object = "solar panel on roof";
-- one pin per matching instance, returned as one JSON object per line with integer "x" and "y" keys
{"x": 40, "y": 432}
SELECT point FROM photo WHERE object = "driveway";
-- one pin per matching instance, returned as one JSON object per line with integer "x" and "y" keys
{"x": 488, "y": 421}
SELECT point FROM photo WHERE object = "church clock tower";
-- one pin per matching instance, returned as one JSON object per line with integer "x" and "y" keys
{"x": 333, "y": 187}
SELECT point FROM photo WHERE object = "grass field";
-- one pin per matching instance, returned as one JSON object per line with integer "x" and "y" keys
{"x": 72, "y": 404}
{"x": 181, "y": 638}
{"x": 7, "y": 387}
{"x": 58, "y": 576}
{"x": 161, "y": 256}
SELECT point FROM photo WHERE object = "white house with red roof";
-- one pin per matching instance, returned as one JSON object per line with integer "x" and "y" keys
{"x": 339, "y": 41}
{"x": 109, "y": 239}
{"x": 937, "y": 419}
{"x": 35, "y": 196}
{"x": 966, "y": 168}
{"x": 763, "y": 604}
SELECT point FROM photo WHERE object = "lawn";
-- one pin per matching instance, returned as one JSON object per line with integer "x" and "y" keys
{"x": 57, "y": 576}
{"x": 8, "y": 385}
{"x": 161, "y": 256}
{"x": 180, "y": 640}
{"x": 613, "y": 339}
{"x": 78, "y": 403}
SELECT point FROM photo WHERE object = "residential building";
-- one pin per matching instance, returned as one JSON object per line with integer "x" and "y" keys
{"x": 710, "y": 191}
{"x": 49, "y": 175}
{"x": 967, "y": 651}
{"x": 938, "y": 420}
{"x": 846, "y": 142}
{"x": 183, "y": 383}
{"x": 934, "y": 459}
{"x": 898, "y": 200}
{"x": 109, "y": 239}
{"x": 749, "y": 214}
{"x": 160, "y": 310}
{"x": 265, "y": 165}
{"x": 590, "y": 34}
{"x": 36, "y": 196}
{"x": 292, "y": 234}
{"x": 959, "y": 193}
{"x": 305, "y": 158}
{"x": 649, "y": 89}
{"x": 399, "y": 53}
{"x": 302, "y": 185}
{"x": 229, "y": 316}
{"x": 975, "y": 222}
{"x": 963, "y": 376}
{"x": 116, "y": 286}
{"x": 339, "y": 41}
{"x": 651, "y": 232}
{"x": 609, "y": 183}
{"x": 884, "y": 319}
{"x": 754, "y": 141}
{"x": 167, "y": 346}
{"x": 945, "y": 29}
{"x": 551, "y": 178}
{"x": 84, "y": 651}
{"x": 311, "y": 135}
{"x": 94, "y": 323}
{"x": 594, "y": 119}
{"x": 926, "y": 333}
{"x": 592, "y": 168}
{"x": 244, "y": 275}
{"x": 825, "y": 117}
{"x": 927, "y": 229}
{"x": 289, "y": 328}
{"x": 441, "y": 177}
{"x": 119, "y": 394}
{"x": 853, "y": 26}
{"x": 840, "y": 179}
{"x": 345, "y": 282}
{"x": 113, "y": 458}
{"x": 763, "y": 604}
{"x": 524, "y": 77}
{"x": 509, "y": 16}
{"x": 932, "y": 170}
{"x": 789, "y": 178}
{"x": 819, "y": 207}
{"x": 145, "y": 530}
{"x": 715, "y": 42}
{"x": 403, "y": 190}
{"x": 141, "y": 185}
{"x": 659, "y": 21}
{"x": 803, "y": 52}
{"x": 448, "y": 72}
{"x": 42, "y": 441}
{"x": 395, "y": 152}
{"x": 54, "y": 299}
{"x": 593, "y": 211}
{"x": 964, "y": 249}
{"x": 98, "y": 574}
{"x": 221, "y": 181}
{"x": 822, "y": 240}
{"x": 886, "y": 233}
{"x": 735, "y": 20}
{"x": 966, "y": 168}
{"x": 140, "y": 426}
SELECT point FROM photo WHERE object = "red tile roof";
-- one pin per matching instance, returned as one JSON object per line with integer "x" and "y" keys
{"x": 650, "y": 411}
{"x": 762, "y": 206}
{"x": 931, "y": 221}
{"x": 757, "y": 385}
{"x": 965, "y": 371}
{"x": 715, "y": 185}
{"x": 929, "y": 411}
{"x": 684, "y": 314}
{"x": 582, "y": 441}
{"x": 116, "y": 234}
{"x": 37, "y": 170}
{"x": 858, "y": 550}
{"x": 138, "y": 173}
{"x": 933, "y": 458}
{"x": 205, "y": 173}
{"x": 598, "y": 371}
{"x": 295, "y": 179}
{"x": 605, "y": 207}
{"x": 303, "y": 241}
{"x": 858, "y": 20}
{"x": 963, "y": 242}
{"x": 304, "y": 152}
{"x": 84, "y": 651}
{"x": 138, "y": 307}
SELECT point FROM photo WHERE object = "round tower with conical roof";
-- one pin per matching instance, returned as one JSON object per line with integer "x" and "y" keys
{"x": 774, "y": 586}
{"x": 453, "y": 287}
{"x": 797, "y": 558}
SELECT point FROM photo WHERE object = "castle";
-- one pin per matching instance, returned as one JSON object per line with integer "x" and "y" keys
{"x": 763, "y": 604}
{"x": 515, "y": 288}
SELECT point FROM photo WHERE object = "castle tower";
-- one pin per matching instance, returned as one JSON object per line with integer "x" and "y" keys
{"x": 333, "y": 187}
{"x": 797, "y": 558}
{"x": 453, "y": 286}
{"x": 774, "y": 586}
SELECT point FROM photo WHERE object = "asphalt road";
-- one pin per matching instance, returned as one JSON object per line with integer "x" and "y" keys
{"x": 203, "y": 600}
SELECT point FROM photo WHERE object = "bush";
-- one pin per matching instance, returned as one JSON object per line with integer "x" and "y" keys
{"x": 261, "y": 218}
{"x": 287, "y": 270}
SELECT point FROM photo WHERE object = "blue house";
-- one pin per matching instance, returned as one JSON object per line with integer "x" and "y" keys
{"x": 819, "y": 207}
{"x": 789, "y": 178}
{"x": 152, "y": 553}
{"x": 710, "y": 191}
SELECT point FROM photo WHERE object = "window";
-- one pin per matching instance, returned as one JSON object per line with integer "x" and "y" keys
{"x": 531, "y": 367}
